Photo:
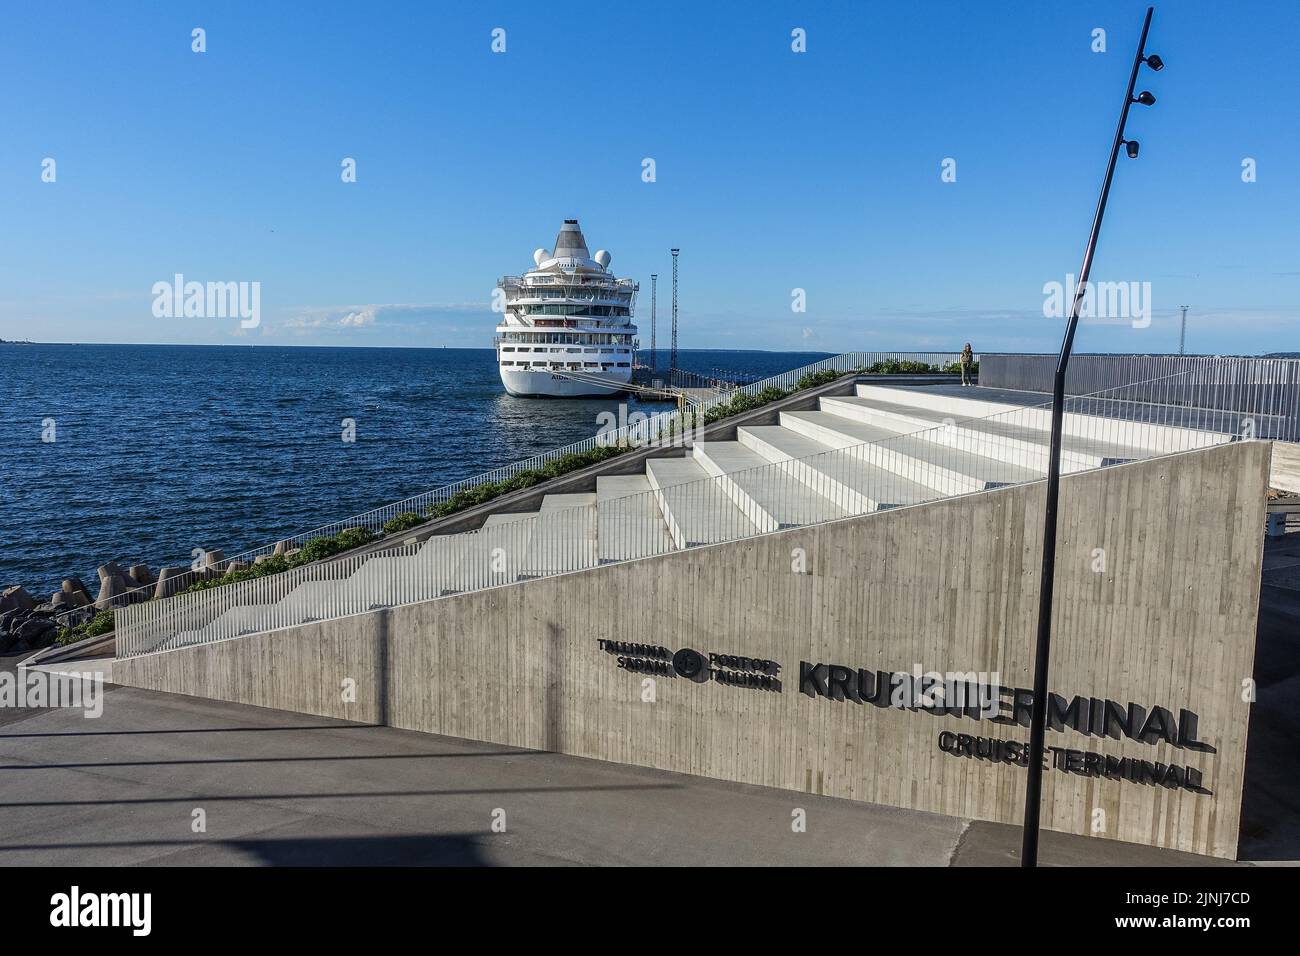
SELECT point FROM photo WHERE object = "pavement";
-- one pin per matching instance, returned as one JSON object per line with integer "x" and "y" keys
{"x": 276, "y": 788}
{"x": 1270, "y": 810}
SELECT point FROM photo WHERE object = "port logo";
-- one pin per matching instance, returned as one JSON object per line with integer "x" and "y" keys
{"x": 696, "y": 666}
{"x": 688, "y": 663}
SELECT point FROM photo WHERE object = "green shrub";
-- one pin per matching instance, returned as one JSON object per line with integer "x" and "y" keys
{"x": 814, "y": 379}
{"x": 524, "y": 479}
{"x": 461, "y": 500}
{"x": 575, "y": 461}
{"x": 325, "y": 546}
{"x": 483, "y": 493}
{"x": 744, "y": 403}
{"x": 272, "y": 565}
{"x": 403, "y": 521}
{"x": 895, "y": 367}
{"x": 101, "y": 623}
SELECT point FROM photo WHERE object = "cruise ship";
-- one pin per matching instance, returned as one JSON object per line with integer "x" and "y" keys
{"x": 568, "y": 324}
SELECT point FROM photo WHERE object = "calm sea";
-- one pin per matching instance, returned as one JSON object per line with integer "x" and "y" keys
{"x": 159, "y": 450}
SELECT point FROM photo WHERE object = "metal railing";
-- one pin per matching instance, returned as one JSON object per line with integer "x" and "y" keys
{"x": 847, "y": 362}
{"x": 1268, "y": 386}
{"x": 914, "y": 451}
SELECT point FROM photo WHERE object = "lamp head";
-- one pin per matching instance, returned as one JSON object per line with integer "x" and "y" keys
{"x": 1131, "y": 146}
{"x": 1153, "y": 60}
{"x": 1145, "y": 98}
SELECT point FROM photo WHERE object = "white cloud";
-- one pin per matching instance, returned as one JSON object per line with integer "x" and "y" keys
{"x": 345, "y": 317}
{"x": 361, "y": 317}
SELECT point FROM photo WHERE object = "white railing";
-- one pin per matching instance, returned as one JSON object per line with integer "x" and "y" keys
{"x": 1267, "y": 386}
{"x": 925, "y": 457}
{"x": 847, "y": 362}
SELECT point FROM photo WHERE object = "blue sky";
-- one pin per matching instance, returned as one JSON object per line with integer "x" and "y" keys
{"x": 774, "y": 170}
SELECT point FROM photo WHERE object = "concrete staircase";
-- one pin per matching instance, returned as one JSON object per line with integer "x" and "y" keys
{"x": 883, "y": 447}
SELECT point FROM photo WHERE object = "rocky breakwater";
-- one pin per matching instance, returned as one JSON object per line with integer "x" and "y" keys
{"x": 70, "y": 614}
{"x": 28, "y": 624}
{"x": 25, "y": 623}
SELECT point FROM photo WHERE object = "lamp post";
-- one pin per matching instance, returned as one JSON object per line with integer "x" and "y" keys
{"x": 672, "y": 355}
{"x": 1042, "y": 653}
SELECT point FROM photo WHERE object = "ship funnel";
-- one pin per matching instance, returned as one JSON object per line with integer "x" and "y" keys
{"x": 570, "y": 242}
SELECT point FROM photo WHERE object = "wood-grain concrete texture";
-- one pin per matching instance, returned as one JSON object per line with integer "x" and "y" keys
{"x": 948, "y": 586}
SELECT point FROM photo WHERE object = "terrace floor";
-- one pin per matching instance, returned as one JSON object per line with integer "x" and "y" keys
{"x": 278, "y": 788}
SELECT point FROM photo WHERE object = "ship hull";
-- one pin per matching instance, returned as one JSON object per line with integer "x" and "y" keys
{"x": 527, "y": 383}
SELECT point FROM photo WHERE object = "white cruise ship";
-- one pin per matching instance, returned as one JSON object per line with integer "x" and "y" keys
{"x": 569, "y": 314}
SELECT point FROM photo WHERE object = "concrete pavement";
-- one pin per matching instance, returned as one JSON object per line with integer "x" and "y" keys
{"x": 277, "y": 788}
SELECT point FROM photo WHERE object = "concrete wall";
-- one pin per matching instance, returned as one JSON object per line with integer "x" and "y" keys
{"x": 950, "y": 586}
{"x": 1286, "y": 467}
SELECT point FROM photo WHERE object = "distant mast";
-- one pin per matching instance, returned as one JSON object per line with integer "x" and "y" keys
{"x": 654, "y": 303}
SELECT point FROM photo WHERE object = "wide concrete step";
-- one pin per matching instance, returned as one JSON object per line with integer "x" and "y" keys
{"x": 563, "y": 537}
{"x": 768, "y": 495}
{"x": 1005, "y": 437}
{"x": 695, "y": 509}
{"x": 1125, "y": 429}
{"x": 965, "y": 464}
{"x": 901, "y": 449}
{"x": 854, "y": 485}
{"x": 629, "y": 523}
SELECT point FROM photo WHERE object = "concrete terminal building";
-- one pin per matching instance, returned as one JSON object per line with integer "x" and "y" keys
{"x": 834, "y": 594}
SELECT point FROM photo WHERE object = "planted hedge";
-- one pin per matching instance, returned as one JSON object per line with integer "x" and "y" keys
{"x": 403, "y": 521}
{"x": 101, "y": 623}
{"x": 316, "y": 549}
{"x": 488, "y": 490}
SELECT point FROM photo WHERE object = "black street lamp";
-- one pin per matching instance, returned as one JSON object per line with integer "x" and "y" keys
{"x": 1038, "y": 715}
